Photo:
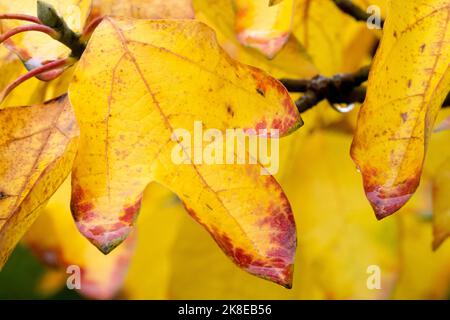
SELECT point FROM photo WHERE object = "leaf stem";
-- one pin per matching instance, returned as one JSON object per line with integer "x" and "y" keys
{"x": 54, "y": 66}
{"x": 23, "y": 17}
{"x": 89, "y": 29}
{"x": 31, "y": 27}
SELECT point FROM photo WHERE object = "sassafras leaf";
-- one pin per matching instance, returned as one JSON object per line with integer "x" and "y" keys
{"x": 409, "y": 80}
{"x": 128, "y": 106}
{"x": 144, "y": 9}
{"x": 46, "y": 137}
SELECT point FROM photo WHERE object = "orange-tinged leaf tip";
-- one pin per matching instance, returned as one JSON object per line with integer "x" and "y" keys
{"x": 105, "y": 233}
{"x": 437, "y": 243}
{"x": 388, "y": 200}
{"x": 269, "y": 46}
{"x": 275, "y": 264}
{"x": 291, "y": 120}
{"x": 104, "y": 237}
{"x": 282, "y": 276}
{"x": 439, "y": 238}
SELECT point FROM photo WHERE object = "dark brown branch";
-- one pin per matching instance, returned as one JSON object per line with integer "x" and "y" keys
{"x": 296, "y": 85}
{"x": 339, "y": 89}
{"x": 446, "y": 103}
{"x": 348, "y": 7}
{"x": 321, "y": 84}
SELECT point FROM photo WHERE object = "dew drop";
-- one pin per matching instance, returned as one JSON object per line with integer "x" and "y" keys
{"x": 343, "y": 108}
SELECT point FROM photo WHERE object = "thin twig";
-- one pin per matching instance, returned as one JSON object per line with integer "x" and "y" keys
{"x": 353, "y": 10}
{"x": 320, "y": 83}
{"x": 31, "y": 27}
{"x": 339, "y": 89}
{"x": 296, "y": 85}
{"x": 446, "y": 103}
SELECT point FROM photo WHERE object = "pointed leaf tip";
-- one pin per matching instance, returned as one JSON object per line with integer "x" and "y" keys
{"x": 260, "y": 41}
{"x": 275, "y": 260}
{"x": 246, "y": 211}
{"x": 104, "y": 237}
{"x": 407, "y": 84}
{"x": 107, "y": 229}
{"x": 264, "y": 26}
{"x": 282, "y": 276}
{"x": 386, "y": 201}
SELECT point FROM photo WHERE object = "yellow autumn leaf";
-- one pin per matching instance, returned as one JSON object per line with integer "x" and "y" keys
{"x": 266, "y": 28}
{"x": 55, "y": 240}
{"x": 291, "y": 61}
{"x": 274, "y": 2}
{"x": 336, "y": 43}
{"x": 123, "y": 98}
{"x": 46, "y": 136}
{"x": 160, "y": 221}
{"x": 433, "y": 177}
{"x": 436, "y": 169}
{"x": 35, "y": 48}
{"x": 144, "y": 9}
{"x": 436, "y": 154}
{"x": 210, "y": 275}
{"x": 441, "y": 205}
{"x": 339, "y": 240}
{"x": 425, "y": 274}
{"x": 398, "y": 115}
{"x": 329, "y": 36}
{"x": 51, "y": 282}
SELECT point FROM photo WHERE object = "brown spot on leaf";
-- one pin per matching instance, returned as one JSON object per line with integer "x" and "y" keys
{"x": 230, "y": 110}
{"x": 404, "y": 116}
